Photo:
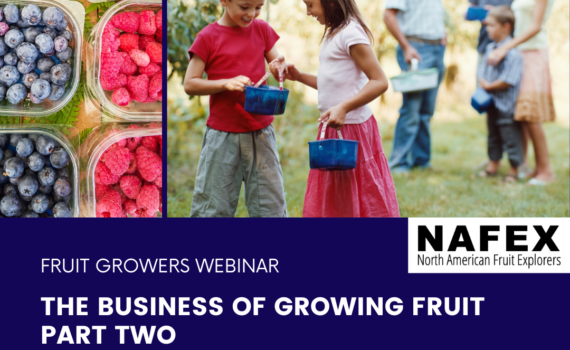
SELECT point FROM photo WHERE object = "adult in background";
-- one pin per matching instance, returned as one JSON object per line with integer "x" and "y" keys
{"x": 418, "y": 25}
{"x": 534, "y": 104}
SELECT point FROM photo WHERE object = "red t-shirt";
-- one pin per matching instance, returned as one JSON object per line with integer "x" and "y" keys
{"x": 229, "y": 52}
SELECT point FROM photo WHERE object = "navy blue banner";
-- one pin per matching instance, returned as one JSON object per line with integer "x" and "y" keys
{"x": 316, "y": 258}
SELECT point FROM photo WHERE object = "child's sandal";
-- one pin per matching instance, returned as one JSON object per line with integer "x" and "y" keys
{"x": 485, "y": 174}
{"x": 509, "y": 179}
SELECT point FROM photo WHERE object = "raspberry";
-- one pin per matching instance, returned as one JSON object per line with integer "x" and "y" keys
{"x": 155, "y": 86}
{"x": 149, "y": 163}
{"x": 159, "y": 97}
{"x": 158, "y": 20}
{"x": 118, "y": 160}
{"x": 119, "y": 144}
{"x": 131, "y": 185}
{"x": 150, "y": 70}
{"x": 144, "y": 40}
{"x": 111, "y": 65}
{"x": 159, "y": 138}
{"x": 133, "y": 165}
{"x": 160, "y": 203}
{"x": 104, "y": 176}
{"x": 138, "y": 87}
{"x": 131, "y": 208}
{"x": 147, "y": 23}
{"x": 158, "y": 180}
{"x": 100, "y": 190}
{"x": 121, "y": 96}
{"x": 110, "y": 205}
{"x": 129, "y": 42}
{"x": 110, "y": 39}
{"x": 128, "y": 67}
{"x": 140, "y": 58}
{"x": 154, "y": 51}
{"x": 113, "y": 84}
{"x": 158, "y": 36}
{"x": 117, "y": 188}
{"x": 127, "y": 21}
{"x": 151, "y": 143}
{"x": 133, "y": 142}
{"x": 148, "y": 200}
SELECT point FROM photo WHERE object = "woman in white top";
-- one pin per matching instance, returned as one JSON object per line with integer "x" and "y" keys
{"x": 534, "y": 104}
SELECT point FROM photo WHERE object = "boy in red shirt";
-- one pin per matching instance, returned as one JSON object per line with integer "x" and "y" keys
{"x": 237, "y": 146}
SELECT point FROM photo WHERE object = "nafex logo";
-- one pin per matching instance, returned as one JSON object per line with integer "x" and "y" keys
{"x": 462, "y": 239}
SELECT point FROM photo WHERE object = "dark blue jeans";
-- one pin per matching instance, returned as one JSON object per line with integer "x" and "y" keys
{"x": 412, "y": 144}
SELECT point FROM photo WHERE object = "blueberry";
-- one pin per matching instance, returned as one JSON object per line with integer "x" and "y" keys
{"x": 3, "y": 90}
{"x": 1, "y": 14}
{"x": 13, "y": 26}
{"x": 28, "y": 185}
{"x": 27, "y": 52}
{"x": 13, "y": 38}
{"x": 25, "y": 147}
{"x": 13, "y": 167}
{"x": 67, "y": 35}
{"x": 11, "y": 205}
{"x": 10, "y": 189}
{"x": 28, "y": 171}
{"x": 45, "y": 145}
{"x": 40, "y": 203}
{"x": 3, "y": 48}
{"x": 14, "y": 139}
{"x": 51, "y": 32}
{"x": 36, "y": 161}
{"x": 45, "y": 64}
{"x": 22, "y": 23}
{"x": 1, "y": 154}
{"x": 65, "y": 54}
{"x": 11, "y": 13}
{"x": 46, "y": 176}
{"x": 11, "y": 59}
{"x": 30, "y": 214}
{"x": 29, "y": 78}
{"x": 45, "y": 189}
{"x": 9, "y": 75}
{"x": 40, "y": 89}
{"x": 45, "y": 76}
{"x": 60, "y": 43}
{"x": 3, "y": 179}
{"x": 25, "y": 68}
{"x": 8, "y": 153}
{"x": 15, "y": 180}
{"x": 26, "y": 198}
{"x": 31, "y": 14}
{"x": 57, "y": 198}
{"x": 60, "y": 73}
{"x": 62, "y": 210}
{"x": 53, "y": 17}
{"x": 59, "y": 158}
{"x": 35, "y": 100}
{"x": 62, "y": 186}
{"x": 1, "y": 62}
{"x": 62, "y": 173}
{"x": 3, "y": 140}
{"x": 16, "y": 93}
{"x": 56, "y": 92}
{"x": 34, "y": 137}
{"x": 31, "y": 33}
{"x": 45, "y": 42}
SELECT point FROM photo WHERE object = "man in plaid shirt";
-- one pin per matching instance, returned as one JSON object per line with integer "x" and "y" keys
{"x": 418, "y": 25}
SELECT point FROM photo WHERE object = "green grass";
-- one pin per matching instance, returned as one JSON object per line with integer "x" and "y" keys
{"x": 446, "y": 190}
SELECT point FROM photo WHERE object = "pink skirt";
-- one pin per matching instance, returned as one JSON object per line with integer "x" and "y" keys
{"x": 366, "y": 191}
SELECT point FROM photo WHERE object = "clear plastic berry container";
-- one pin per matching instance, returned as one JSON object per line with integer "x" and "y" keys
{"x": 71, "y": 148}
{"x": 75, "y": 16}
{"x": 100, "y": 139}
{"x": 100, "y": 98}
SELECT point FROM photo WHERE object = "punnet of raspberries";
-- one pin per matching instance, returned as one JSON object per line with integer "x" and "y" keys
{"x": 128, "y": 178}
{"x": 131, "y": 57}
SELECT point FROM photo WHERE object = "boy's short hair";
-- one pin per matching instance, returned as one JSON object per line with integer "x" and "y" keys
{"x": 503, "y": 15}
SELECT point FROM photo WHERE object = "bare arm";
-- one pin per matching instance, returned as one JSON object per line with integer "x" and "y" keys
{"x": 194, "y": 85}
{"x": 496, "y": 85}
{"x": 393, "y": 27}
{"x": 376, "y": 86}
{"x": 538, "y": 16}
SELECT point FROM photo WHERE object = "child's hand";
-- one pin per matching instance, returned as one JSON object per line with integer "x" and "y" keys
{"x": 484, "y": 84}
{"x": 334, "y": 117}
{"x": 277, "y": 65}
{"x": 237, "y": 84}
{"x": 292, "y": 73}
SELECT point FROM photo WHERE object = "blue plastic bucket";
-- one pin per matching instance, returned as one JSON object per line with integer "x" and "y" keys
{"x": 333, "y": 154}
{"x": 481, "y": 100}
{"x": 476, "y": 13}
{"x": 265, "y": 99}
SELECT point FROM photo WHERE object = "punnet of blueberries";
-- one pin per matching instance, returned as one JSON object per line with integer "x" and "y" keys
{"x": 34, "y": 180}
{"x": 35, "y": 53}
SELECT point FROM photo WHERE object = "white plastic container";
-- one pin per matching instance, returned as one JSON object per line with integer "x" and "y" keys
{"x": 416, "y": 80}
{"x": 93, "y": 148}
{"x": 53, "y": 132}
{"x": 100, "y": 98}
{"x": 75, "y": 20}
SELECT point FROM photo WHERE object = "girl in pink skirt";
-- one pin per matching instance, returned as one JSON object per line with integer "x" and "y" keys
{"x": 349, "y": 78}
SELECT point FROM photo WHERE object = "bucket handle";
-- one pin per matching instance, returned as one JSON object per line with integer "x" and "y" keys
{"x": 324, "y": 128}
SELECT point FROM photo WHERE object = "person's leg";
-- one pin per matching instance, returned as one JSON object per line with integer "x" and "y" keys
{"x": 218, "y": 180}
{"x": 264, "y": 192}
{"x": 494, "y": 142}
{"x": 543, "y": 170}
{"x": 511, "y": 136}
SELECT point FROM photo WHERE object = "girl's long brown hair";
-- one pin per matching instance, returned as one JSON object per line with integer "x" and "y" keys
{"x": 337, "y": 15}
